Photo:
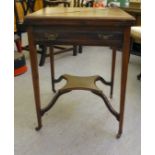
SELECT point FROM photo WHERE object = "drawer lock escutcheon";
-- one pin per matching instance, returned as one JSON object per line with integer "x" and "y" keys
{"x": 105, "y": 36}
{"x": 51, "y": 37}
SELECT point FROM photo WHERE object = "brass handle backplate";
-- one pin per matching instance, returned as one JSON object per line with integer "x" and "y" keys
{"x": 51, "y": 37}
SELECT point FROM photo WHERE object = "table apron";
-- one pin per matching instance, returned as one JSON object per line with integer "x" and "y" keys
{"x": 79, "y": 36}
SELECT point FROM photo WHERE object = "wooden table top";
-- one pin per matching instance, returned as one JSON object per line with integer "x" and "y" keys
{"x": 114, "y": 14}
{"x": 132, "y": 10}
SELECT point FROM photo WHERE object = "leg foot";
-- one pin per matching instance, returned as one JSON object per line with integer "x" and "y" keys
{"x": 38, "y": 127}
{"x": 74, "y": 50}
{"x": 80, "y": 49}
{"x": 118, "y": 135}
{"x": 139, "y": 76}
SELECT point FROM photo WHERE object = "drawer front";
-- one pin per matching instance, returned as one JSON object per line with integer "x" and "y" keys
{"x": 79, "y": 37}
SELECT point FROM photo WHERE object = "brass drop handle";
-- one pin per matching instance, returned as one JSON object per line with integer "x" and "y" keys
{"x": 104, "y": 36}
{"x": 51, "y": 37}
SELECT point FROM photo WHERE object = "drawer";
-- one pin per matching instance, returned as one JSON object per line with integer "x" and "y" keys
{"x": 79, "y": 37}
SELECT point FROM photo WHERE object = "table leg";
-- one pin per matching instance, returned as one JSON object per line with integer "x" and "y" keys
{"x": 52, "y": 68}
{"x": 125, "y": 57}
{"x": 35, "y": 76}
{"x": 112, "y": 70}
